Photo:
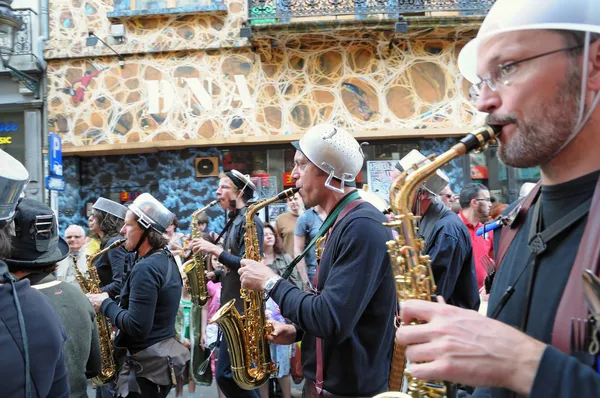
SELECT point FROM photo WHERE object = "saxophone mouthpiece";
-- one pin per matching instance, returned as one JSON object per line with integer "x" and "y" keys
{"x": 288, "y": 193}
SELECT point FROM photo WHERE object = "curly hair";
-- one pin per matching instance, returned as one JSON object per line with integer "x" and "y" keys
{"x": 109, "y": 224}
{"x": 5, "y": 244}
{"x": 278, "y": 246}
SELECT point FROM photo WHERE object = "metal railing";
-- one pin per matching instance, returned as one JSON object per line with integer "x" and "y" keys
{"x": 269, "y": 11}
{"x": 24, "y": 38}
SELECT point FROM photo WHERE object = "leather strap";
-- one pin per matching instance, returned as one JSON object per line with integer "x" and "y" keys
{"x": 507, "y": 236}
{"x": 319, "y": 375}
{"x": 572, "y": 303}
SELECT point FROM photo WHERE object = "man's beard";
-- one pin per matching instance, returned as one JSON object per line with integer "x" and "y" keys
{"x": 544, "y": 130}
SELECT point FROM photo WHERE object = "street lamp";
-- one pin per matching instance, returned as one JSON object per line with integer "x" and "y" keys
{"x": 9, "y": 25}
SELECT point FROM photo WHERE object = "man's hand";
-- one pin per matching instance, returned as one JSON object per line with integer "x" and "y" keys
{"x": 187, "y": 343}
{"x": 201, "y": 245}
{"x": 253, "y": 275}
{"x": 97, "y": 299}
{"x": 464, "y": 347}
{"x": 211, "y": 275}
{"x": 283, "y": 333}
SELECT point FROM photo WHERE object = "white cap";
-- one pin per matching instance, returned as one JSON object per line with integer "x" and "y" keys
{"x": 435, "y": 183}
{"x": 515, "y": 15}
{"x": 13, "y": 180}
{"x": 333, "y": 150}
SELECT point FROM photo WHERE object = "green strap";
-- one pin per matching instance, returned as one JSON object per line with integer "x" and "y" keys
{"x": 329, "y": 221}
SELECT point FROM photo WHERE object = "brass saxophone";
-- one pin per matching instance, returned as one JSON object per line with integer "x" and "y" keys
{"x": 412, "y": 270}
{"x": 249, "y": 352}
{"x": 91, "y": 284}
{"x": 196, "y": 268}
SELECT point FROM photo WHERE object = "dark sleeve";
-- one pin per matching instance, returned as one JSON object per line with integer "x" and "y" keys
{"x": 60, "y": 384}
{"x": 232, "y": 261}
{"x": 358, "y": 269}
{"x": 561, "y": 375}
{"x": 138, "y": 319}
{"x": 94, "y": 363}
{"x": 116, "y": 257}
{"x": 447, "y": 258}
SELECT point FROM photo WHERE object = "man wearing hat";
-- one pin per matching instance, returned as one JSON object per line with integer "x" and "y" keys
{"x": 31, "y": 335}
{"x": 347, "y": 323}
{"x": 446, "y": 237}
{"x": 37, "y": 248}
{"x": 234, "y": 192}
{"x": 107, "y": 220}
{"x": 535, "y": 70}
{"x": 149, "y": 355}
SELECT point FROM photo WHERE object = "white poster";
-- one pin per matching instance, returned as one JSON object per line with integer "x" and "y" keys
{"x": 379, "y": 177}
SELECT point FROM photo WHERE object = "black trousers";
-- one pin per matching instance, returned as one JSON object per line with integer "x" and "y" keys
{"x": 225, "y": 378}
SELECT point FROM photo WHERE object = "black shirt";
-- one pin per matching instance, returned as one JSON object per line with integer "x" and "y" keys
{"x": 553, "y": 269}
{"x": 448, "y": 243}
{"x": 110, "y": 266}
{"x": 150, "y": 299}
{"x": 45, "y": 337}
{"x": 354, "y": 313}
{"x": 233, "y": 251}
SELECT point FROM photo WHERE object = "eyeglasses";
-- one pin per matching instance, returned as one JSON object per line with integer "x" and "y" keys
{"x": 447, "y": 195}
{"x": 504, "y": 73}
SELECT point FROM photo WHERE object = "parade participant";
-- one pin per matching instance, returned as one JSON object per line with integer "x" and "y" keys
{"x": 35, "y": 256}
{"x": 446, "y": 238}
{"x": 148, "y": 303}
{"x": 31, "y": 336}
{"x": 107, "y": 220}
{"x": 535, "y": 66}
{"x": 233, "y": 194}
{"x": 347, "y": 323}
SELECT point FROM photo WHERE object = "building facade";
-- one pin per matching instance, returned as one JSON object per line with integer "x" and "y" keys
{"x": 22, "y": 106}
{"x": 183, "y": 89}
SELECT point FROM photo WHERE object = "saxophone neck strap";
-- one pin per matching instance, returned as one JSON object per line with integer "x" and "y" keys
{"x": 328, "y": 223}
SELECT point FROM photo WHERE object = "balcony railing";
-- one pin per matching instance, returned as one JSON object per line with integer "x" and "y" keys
{"x": 23, "y": 38}
{"x": 270, "y": 11}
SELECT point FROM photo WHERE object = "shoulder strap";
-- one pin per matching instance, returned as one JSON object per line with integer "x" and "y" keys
{"x": 508, "y": 235}
{"x": 572, "y": 303}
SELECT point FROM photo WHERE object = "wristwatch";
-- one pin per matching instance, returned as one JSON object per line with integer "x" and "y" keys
{"x": 270, "y": 284}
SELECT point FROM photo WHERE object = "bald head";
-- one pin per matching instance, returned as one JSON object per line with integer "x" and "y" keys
{"x": 75, "y": 237}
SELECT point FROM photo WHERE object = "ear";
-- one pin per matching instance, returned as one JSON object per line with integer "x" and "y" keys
{"x": 593, "y": 76}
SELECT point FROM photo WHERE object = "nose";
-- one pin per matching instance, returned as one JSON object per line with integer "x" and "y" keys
{"x": 295, "y": 174}
{"x": 122, "y": 231}
{"x": 488, "y": 100}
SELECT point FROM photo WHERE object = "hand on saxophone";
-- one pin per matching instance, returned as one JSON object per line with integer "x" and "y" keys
{"x": 283, "y": 333}
{"x": 200, "y": 245}
{"x": 462, "y": 346}
{"x": 253, "y": 274}
{"x": 97, "y": 299}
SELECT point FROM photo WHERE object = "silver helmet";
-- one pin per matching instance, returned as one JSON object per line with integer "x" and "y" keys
{"x": 13, "y": 180}
{"x": 110, "y": 207}
{"x": 435, "y": 183}
{"x": 151, "y": 213}
{"x": 333, "y": 150}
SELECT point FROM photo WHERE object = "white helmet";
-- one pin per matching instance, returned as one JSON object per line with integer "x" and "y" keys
{"x": 13, "y": 180}
{"x": 151, "y": 213}
{"x": 434, "y": 184}
{"x": 333, "y": 150}
{"x": 516, "y": 15}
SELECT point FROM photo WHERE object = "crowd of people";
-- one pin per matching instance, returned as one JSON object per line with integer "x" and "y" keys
{"x": 116, "y": 304}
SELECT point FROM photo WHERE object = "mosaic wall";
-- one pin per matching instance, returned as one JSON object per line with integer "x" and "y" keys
{"x": 71, "y": 20}
{"x": 169, "y": 176}
{"x": 235, "y": 93}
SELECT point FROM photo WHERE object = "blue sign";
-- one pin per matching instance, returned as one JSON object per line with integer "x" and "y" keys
{"x": 55, "y": 183}
{"x": 9, "y": 127}
{"x": 55, "y": 150}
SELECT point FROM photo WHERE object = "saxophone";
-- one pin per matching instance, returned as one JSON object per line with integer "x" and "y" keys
{"x": 412, "y": 270}
{"x": 91, "y": 284}
{"x": 196, "y": 268}
{"x": 249, "y": 352}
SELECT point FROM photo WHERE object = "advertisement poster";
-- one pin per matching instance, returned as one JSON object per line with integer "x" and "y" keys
{"x": 379, "y": 177}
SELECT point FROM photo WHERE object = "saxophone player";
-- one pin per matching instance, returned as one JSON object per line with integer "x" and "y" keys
{"x": 347, "y": 323}
{"x": 234, "y": 191}
{"x": 148, "y": 303}
{"x": 535, "y": 69}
